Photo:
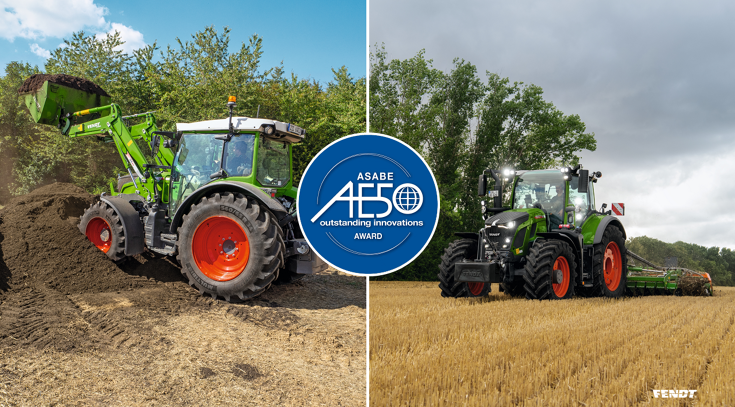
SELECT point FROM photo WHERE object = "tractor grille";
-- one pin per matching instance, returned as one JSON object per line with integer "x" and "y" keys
{"x": 520, "y": 238}
{"x": 503, "y": 236}
{"x": 500, "y": 236}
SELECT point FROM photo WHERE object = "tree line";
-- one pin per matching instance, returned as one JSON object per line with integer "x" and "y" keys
{"x": 461, "y": 124}
{"x": 186, "y": 82}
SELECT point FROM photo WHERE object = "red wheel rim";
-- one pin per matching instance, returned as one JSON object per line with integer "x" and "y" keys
{"x": 220, "y": 248}
{"x": 613, "y": 266}
{"x": 99, "y": 233}
{"x": 476, "y": 288}
{"x": 560, "y": 288}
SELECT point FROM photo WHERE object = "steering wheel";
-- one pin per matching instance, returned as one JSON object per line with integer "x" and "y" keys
{"x": 537, "y": 205}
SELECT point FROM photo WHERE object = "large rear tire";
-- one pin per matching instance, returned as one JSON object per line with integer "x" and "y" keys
{"x": 457, "y": 251}
{"x": 610, "y": 267}
{"x": 229, "y": 247}
{"x": 550, "y": 271}
{"x": 104, "y": 229}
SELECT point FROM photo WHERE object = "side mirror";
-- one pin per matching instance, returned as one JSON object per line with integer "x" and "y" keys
{"x": 584, "y": 181}
{"x": 482, "y": 185}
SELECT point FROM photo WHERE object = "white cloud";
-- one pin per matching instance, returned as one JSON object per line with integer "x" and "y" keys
{"x": 48, "y": 18}
{"x": 59, "y": 19}
{"x": 43, "y": 53}
{"x": 133, "y": 38}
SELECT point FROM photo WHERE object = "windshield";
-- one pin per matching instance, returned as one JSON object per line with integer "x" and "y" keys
{"x": 197, "y": 159}
{"x": 239, "y": 155}
{"x": 274, "y": 168}
{"x": 544, "y": 190}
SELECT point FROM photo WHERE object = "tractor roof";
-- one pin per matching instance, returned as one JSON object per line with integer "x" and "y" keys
{"x": 281, "y": 131}
{"x": 521, "y": 172}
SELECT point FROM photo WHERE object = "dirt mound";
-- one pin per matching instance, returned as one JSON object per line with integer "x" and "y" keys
{"x": 693, "y": 285}
{"x": 41, "y": 245}
{"x": 58, "y": 292}
{"x": 49, "y": 270}
{"x": 35, "y": 82}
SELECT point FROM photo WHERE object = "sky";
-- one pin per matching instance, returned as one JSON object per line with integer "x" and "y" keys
{"x": 310, "y": 38}
{"x": 655, "y": 82}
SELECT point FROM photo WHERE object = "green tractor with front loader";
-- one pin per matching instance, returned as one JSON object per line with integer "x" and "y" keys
{"x": 549, "y": 243}
{"x": 219, "y": 195}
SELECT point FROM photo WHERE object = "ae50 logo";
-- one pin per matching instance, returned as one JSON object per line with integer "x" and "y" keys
{"x": 368, "y": 204}
{"x": 407, "y": 198}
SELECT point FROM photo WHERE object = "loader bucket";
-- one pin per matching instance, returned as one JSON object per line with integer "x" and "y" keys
{"x": 50, "y": 96}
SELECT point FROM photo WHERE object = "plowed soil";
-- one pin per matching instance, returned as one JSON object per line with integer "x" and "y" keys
{"x": 77, "y": 329}
{"x": 35, "y": 82}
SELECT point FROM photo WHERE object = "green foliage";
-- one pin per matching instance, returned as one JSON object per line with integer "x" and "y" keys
{"x": 719, "y": 263}
{"x": 461, "y": 126}
{"x": 187, "y": 82}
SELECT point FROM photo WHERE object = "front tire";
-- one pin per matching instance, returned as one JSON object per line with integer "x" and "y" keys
{"x": 230, "y": 247}
{"x": 457, "y": 251}
{"x": 550, "y": 271}
{"x": 104, "y": 229}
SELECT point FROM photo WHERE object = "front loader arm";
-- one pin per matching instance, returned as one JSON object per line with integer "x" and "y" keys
{"x": 145, "y": 131}
{"x": 111, "y": 127}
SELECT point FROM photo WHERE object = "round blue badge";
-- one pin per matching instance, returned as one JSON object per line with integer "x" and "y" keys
{"x": 368, "y": 204}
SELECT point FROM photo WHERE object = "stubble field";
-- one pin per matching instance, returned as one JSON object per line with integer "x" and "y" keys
{"x": 429, "y": 350}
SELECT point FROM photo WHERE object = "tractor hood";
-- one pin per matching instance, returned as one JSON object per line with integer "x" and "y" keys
{"x": 504, "y": 218}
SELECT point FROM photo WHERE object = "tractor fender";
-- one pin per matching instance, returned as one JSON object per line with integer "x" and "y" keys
{"x": 132, "y": 225}
{"x": 604, "y": 222}
{"x": 575, "y": 243}
{"x": 230, "y": 186}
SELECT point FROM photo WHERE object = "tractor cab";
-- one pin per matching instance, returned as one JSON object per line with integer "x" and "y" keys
{"x": 553, "y": 191}
{"x": 253, "y": 151}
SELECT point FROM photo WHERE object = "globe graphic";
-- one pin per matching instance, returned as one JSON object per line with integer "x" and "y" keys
{"x": 408, "y": 198}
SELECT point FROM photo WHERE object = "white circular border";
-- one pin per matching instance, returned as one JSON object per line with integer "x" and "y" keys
{"x": 438, "y": 205}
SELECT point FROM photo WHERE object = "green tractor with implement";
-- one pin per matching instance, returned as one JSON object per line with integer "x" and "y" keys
{"x": 219, "y": 194}
{"x": 550, "y": 243}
